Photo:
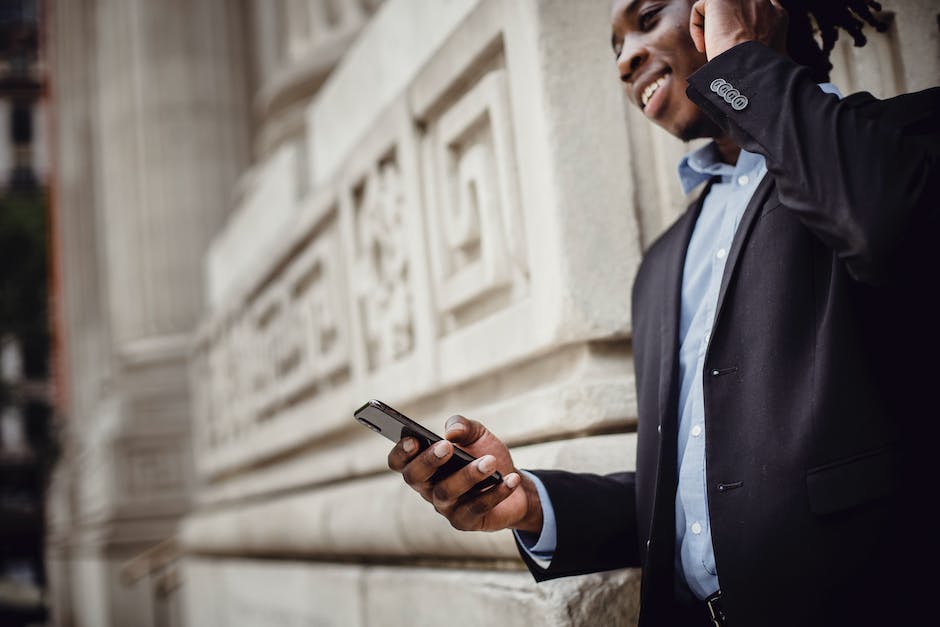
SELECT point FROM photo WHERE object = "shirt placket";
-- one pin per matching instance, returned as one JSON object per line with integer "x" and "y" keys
{"x": 700, "y": 526}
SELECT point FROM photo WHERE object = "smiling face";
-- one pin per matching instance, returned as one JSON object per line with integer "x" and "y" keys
{"x": 655, "y": 56}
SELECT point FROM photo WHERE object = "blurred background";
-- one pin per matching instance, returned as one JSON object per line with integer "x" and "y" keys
{"x": 226, "y": 224}
{"x": 28, "y": 444}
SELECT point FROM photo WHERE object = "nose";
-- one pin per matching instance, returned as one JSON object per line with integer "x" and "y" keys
{"x": 632, "y": 56}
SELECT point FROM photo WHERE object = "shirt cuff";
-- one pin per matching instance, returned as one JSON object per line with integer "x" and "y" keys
{"x": 540, "y": 548}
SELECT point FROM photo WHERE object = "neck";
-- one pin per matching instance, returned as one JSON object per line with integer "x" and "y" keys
{"x": 728, "y": 149}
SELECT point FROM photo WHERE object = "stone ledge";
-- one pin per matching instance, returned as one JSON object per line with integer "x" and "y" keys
{"x": 237, "y": 593}
{"x": 379, "y": 516}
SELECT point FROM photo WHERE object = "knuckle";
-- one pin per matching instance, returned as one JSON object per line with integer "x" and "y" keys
{"x": 477, "y": 507}
{"x": 408, "y": 474}
{"x": 444, "y": 509}
{"x": 459, "y": 523}
{"x": 440, "y": 493}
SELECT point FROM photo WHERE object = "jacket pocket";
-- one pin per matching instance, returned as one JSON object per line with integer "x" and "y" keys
{"x": 852, "y": 481}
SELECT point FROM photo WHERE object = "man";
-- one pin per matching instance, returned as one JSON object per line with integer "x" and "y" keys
{"x": 784, "y": 338}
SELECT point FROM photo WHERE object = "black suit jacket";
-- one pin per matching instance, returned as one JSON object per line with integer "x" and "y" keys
{"x": 820, "y": 377}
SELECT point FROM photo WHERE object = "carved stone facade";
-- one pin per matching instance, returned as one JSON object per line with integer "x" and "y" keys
{"x": 443, "y": 207}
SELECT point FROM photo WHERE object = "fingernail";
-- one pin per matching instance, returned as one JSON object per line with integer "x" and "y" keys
{"x": 512, "y": 480}
{"x": 457, "y": 427}
{"x": 409, "y": 445}
{"x": 486, "y": 464}
{"x": 454, "y": 424}
{"x": 440, "y": 449}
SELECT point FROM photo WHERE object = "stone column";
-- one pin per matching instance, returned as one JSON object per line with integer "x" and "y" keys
{"x": 169, "y": 101}
{"x": 151, "y": 132}
{"x": 82, "y": 334}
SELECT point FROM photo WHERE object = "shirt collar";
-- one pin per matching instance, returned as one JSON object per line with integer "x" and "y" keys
{"x": 702, "y": 164}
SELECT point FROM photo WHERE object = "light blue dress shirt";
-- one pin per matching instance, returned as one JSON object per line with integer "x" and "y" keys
{"x": 701, "y": 279}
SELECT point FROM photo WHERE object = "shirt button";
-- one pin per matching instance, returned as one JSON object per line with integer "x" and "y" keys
{"x": 659, "y": 428}
{"x": 696, "y": 528}
{"x": 721, "y": 253}
{"x": 707, "y": 337}
{"x": 743, "y": 180}
{"x": 696, "y": 431}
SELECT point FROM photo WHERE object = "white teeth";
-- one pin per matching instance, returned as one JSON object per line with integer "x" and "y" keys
{"x": 651, "y": 89}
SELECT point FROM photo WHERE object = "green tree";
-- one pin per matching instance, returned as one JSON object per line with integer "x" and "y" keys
{"x": 24, "y": 277}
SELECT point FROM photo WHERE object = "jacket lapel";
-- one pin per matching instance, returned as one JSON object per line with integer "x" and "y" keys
{"x": 658, "y": 571}
{"x": 669, "y": 323}
{"x": 751, "y": 213}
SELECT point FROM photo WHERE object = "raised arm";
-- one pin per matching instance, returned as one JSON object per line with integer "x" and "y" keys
{"x": 861, "y": 173}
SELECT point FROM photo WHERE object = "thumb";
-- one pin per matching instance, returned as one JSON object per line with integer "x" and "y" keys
{"x": 460, "y": 430}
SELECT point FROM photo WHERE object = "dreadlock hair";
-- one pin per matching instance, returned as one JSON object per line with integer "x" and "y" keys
{"x": 827, "y": 17}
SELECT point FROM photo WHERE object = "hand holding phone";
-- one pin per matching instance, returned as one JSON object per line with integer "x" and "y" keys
{"x": 394, "y": 425}
{"x": 470, "y": 496}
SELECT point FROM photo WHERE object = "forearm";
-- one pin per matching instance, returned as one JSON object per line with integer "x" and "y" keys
{"x": 595, "y": 521}
{"x": 849, "y": 171}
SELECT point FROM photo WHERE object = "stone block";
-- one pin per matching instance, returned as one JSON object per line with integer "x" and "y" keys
{"x": 243, "y": 593}
{"x": 236, "y": 593}
{"x": 467, "y": 598}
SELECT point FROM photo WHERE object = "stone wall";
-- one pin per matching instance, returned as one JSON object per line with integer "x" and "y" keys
{"x": 463, "y": 180}
{"x": 437, "y": 203}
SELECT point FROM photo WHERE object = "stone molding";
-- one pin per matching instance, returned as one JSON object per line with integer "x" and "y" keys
{"x": 375, "y": 516}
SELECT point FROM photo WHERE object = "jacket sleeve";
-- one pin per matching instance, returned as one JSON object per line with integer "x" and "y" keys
{"x": 596, "y": 523}
{"x": 859, "y": 172}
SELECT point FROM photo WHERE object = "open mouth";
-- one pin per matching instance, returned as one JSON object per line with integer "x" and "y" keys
{"x": 650, "y": 90}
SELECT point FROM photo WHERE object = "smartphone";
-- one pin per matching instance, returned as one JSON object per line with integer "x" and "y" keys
{"x": 394, "y": 425}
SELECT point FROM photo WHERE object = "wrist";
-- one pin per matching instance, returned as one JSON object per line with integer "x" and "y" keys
{"x": 723, "y": 46}
{"x": 531, "y": 522}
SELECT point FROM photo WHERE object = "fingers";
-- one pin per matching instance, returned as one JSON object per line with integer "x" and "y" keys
{"x": 454, "y": 496}
{"x": 448, "y": 491}
{"x": 473, "y": 514}
{"x": 417, "y": 472}
{"x": 697, "y": 25}
{"x": 402, "y": 453}
{"x": 415, "y": 466}
{"x": 463, "y": 431}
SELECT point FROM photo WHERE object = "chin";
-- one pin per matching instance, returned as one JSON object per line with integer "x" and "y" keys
{"x": 695, "y": 128}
